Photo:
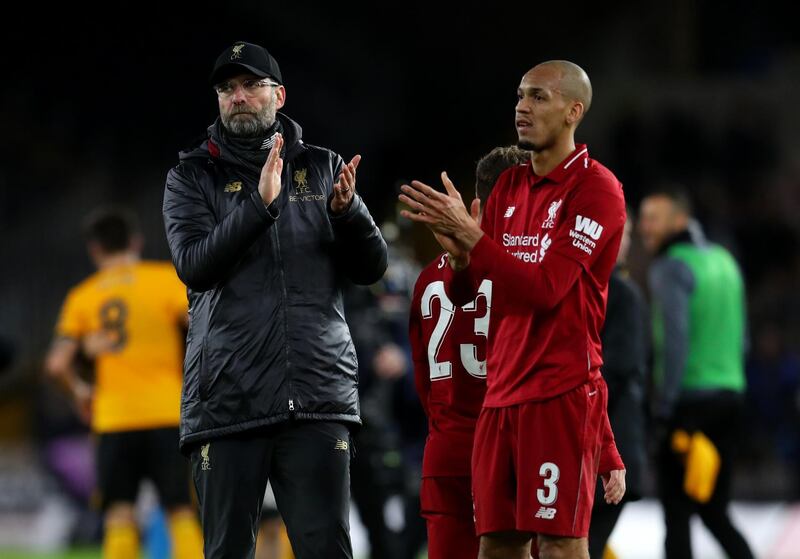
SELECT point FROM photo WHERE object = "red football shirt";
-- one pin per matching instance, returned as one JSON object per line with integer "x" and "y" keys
{"x": 448, "y": 344}
{"x": 549, "y": 248}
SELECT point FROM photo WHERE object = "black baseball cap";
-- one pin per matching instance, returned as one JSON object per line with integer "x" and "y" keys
{"x": 248, "y": 57}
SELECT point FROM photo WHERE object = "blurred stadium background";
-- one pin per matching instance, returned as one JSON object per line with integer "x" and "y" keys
{"x": 95, "y": 107}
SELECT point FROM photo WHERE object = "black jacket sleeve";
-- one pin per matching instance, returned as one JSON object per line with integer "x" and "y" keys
{"x": 360, "y": 247}
{"x": 359, "y": 243}
{"x": 203, "y": 251}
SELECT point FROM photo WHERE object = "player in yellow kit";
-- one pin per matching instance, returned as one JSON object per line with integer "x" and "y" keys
{"x": 130, "y": 316}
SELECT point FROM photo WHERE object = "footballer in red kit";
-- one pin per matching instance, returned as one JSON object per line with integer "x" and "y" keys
{"x": 550, "y": 244}
{"x": 547, "y": 241}
{"x": 448, "y": 345}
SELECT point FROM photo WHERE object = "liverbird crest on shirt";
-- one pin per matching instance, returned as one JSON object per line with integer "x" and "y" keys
{"x": 550, "y": 222}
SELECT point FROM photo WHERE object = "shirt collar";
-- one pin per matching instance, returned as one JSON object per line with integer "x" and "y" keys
{"x": 563, "y": 169}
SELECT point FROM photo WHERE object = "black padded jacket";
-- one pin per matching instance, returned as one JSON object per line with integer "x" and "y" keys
{"x": 267, "y": 338}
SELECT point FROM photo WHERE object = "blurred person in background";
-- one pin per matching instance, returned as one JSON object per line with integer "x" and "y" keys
{"x": 698, "y": 306}
{"x": 68, "y": 452}
{"x": 448, "y": 345}
{"x": 377, "y": 469}
{"x": 266, "y": 230}
{"x": 390, "y": 399}
{"x": 130, "y": 317}
{"x": 625, "y": 345}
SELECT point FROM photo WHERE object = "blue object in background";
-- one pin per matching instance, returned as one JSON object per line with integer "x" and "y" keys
{"x": 156, "y": 536}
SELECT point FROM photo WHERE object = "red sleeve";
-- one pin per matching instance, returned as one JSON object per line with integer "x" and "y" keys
{"x": 593, "y": 217}
{"x": 609, "y": 455}
{"x": 422, "y": 377}
{"x": 462, "y": 287}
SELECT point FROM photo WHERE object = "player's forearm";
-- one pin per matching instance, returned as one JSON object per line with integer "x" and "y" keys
{"x": 461, "y": 286}
{"x": 469, "y": 235}
{"x": 539, "y": 288}
{"x": 67, "y": 378}
{"x": 610, "y": 458}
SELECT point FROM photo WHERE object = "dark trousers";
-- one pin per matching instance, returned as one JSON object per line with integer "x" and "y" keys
{"x": 604, "y": 518}
{"x": 308, "y": 464}
{"x": 719, "y": 418}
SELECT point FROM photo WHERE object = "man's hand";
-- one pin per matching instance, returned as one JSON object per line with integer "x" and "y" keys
{"x": 59, "y": 365}
{"x": 614, "y": 486}
{"x": 345, "y": 186}
{"x": 457, "y": 256}
{"x": 83, "y": 396}
{"x": 269, "y": 185}
{"x": 455, "y": 228}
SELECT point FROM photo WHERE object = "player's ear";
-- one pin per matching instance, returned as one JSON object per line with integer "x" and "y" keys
{"x": 575, "y": 113}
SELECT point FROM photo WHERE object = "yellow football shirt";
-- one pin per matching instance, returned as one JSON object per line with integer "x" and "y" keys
{"x": 142, "y": 306}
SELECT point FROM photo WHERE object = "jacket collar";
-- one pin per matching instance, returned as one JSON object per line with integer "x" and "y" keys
{"x": 561, "y": 171}
{"x": 293, "y": 144}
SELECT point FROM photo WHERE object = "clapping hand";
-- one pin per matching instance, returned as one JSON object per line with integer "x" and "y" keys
{"x": 345, "y": 186}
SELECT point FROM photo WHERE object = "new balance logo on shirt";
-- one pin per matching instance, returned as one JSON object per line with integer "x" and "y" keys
{"x": 509, "y": 211}
{"x": 546, "y": 513}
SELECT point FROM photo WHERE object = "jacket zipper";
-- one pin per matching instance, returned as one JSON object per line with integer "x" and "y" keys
{"x": 285, "y": 319}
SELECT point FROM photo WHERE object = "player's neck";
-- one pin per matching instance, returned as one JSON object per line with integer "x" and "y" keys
{"x": 116, "y": 260}
{"x": 546, "y": 160}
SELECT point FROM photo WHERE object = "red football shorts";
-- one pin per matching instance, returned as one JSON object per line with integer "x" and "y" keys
{"x": 447, "y": 509}
{"x": 535, "y": 465}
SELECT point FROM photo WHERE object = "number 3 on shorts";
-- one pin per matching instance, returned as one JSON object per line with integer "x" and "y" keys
{"x": 550, "y": 473}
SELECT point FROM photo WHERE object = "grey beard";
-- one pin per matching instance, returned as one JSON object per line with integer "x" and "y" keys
{"x": 254, "y": 127}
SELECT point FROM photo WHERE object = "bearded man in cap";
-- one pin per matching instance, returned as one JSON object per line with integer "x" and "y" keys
{"x": 265, "y": 230}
